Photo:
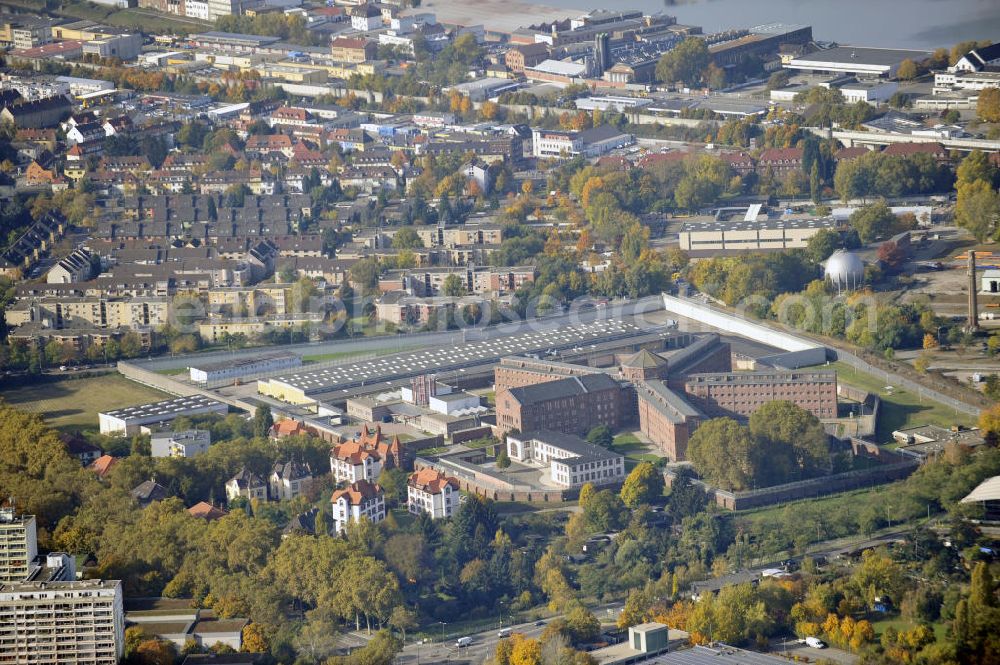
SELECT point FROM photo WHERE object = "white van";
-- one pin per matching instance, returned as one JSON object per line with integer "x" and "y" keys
{"x": 815, "y": 643}
{"x": 505, "y": 632}
{"x": 463, "y": 642}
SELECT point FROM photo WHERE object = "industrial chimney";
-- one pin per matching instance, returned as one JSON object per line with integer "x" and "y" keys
{"x": 973, "y": 323}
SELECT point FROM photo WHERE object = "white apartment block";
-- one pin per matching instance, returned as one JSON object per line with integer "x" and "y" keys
{"x": 217, "y": 8}
{"x": 196, "y": 9}
{"x": 358, "y": 500}
{"x": 18, "y": 546}
{"x": 965, "y": 80}
{"x": 553, "y": 143}
{"x": 432, "y": 492}
{"x": 180, "y": 444}
{"x": 66, "y": 623}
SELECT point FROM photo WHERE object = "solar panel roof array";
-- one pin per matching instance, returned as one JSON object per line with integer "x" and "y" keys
{"x": 455, "y": 358}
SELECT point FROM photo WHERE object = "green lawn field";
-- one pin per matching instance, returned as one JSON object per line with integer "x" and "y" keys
{"x": 73, "y": 404}
{"x": 900, "y": 408}
{"x": 634, "y": 450}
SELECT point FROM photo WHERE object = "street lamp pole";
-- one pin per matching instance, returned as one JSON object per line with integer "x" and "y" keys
{"x": 442, "y": 630}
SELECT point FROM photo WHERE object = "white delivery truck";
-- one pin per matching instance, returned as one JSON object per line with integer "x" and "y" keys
{"x": 463, "y": 642}
{"x": 815, "y": 643}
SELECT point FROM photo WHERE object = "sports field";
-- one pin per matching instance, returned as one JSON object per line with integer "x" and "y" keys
{"x": 73, "y": 404}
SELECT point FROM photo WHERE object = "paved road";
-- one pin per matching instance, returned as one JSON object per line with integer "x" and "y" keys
{"x": 484, "y": 642}
{"x": 791, "y": 648}
{"x": 828, "y": 549}
{"x": 483, "y": 645}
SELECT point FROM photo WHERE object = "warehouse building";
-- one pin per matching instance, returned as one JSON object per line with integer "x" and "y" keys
{"x": 129, "y": 420}
{"x": 857, "y": 60}
{"x": 749, "y": 236}
{"x": 237, "y": 369}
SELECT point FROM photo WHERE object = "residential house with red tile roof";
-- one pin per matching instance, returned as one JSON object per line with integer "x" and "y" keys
{"x": 365, "y": 457}
{"x": 102, "y": 465}
{"x": 352, "y": 461}
{"x": 290, "y": 115}
{"x": 935, "y": 150}
{"x": 352, "y": 51}
{"x": 268, "y": 143}
{"x": 432, "y": 492}
{"x": 289, "y": 427}
{"x": 206, "y": 511}
{"x": 361, "y": 499}
{"x": 850, "y": 153}
{"x": 36, "y": 174}
{"x": 740, "y": 162}
{"x": 780, "y": 160}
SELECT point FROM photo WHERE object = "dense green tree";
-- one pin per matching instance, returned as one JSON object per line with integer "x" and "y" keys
{"x": 604, "y": 511}
{"x": 472, "y": 529}
{"x": 685, "y": 63}
{"x": 644, "y": 485}
{"x": 724, "y": 453}
{"x": 364, "y": 276}
{"x": 736, "y": 615}
{"x": 874, "y": 222}
{"x": 907, "y": 70}
{"x": 744, "y": 279}
{"x": 823, "y": 244}
{"x": 685, "y": 498}
{"x": 975, "y": 166}
{"x": 453, "y": 286}
{"x": 977, "y": 209}
{"x": 601, "y": 435}
{"x": 877, "y": 174}
{"x": 581, "y": 623}
{"x": 988, "y": 106}
{"x": 381, "y": 649}
{"x": 788, "y": 430}
{"x": 406, "y": 238}
{"x": 262, "y": 421}
{"x": 778, "y": 79}
{"x": 393, "y": 482}
{"x": 408, "y": 556}
{"x": 318, "y": 636}
{"x": 37, "y": 471}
